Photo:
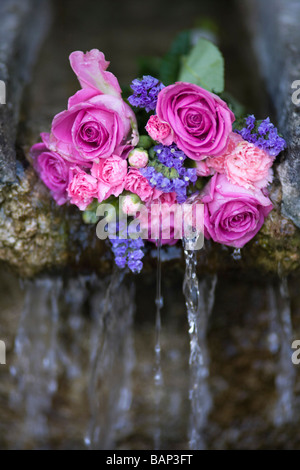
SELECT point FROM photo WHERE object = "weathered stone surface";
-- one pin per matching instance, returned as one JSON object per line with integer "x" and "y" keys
{"x": 36, "y": 235}
{"x": 23, "y": 23}
{"x": 275, "y": 33}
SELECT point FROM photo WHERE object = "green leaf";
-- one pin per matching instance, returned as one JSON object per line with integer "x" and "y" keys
{"x": 204, "y": 66}
{"x": 171, "y": 63}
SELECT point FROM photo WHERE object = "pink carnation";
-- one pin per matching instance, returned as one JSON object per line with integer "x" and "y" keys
{"x": 111, "y": 175}
{"x": 138, "y": 184}
{"x": 82, "y": 188}
{"x": 218, "y": 163}
{"x": 249, "y": 166}
{"x": 159, "y": 130}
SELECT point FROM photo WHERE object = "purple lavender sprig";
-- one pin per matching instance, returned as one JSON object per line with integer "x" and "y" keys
{"x": 145, "y": 92}
{"x": 263, "y": 134}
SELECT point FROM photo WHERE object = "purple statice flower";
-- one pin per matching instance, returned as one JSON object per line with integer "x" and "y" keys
{"x": 265, "y": 127}
{"x": 250, "y": 121}
{"x": 128, "y": 252}
{"x": 145, "y": 92}
{"x": 171, "y": 157}
{"x": 264, "y": 135}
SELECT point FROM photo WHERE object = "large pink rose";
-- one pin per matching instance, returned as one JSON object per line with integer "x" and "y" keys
{"x": 249, "y": 166}
{"x": 82, "y": 188}
{"x": 200, "y": 120}
{"x": 52, "y": 169}
{"x": 233, "y": 215}
{"x": 94, "y": 126}
{"x": 90, "y": 69}
{"x": 136, "y": 183}
{"x": 111, "y": 175}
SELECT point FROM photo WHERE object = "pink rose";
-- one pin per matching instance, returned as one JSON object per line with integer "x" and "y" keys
{"x": 138, "y": 158}
{"x": 159, "y": 131}
{"x": 52, "y": 169}
{"x": 203, "y": 169}
{"x": 111, "y": 175}
{"x": 138, "y": 184}
{"x": 249, "y": 166}
{"x": 90, "y": 69}
{"x": 200, "y": 120}
{"x": 94, "y": 126}
{"x": 130, "y": 204}
{"x": 218, "y": 163}
{"x": 82, "y": 188}
{"x": 233, "y": 215}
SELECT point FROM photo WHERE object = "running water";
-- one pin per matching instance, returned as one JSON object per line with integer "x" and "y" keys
{"x": 111, "y": 361}
{"x": 199, "y": 303}
{"x": 35, "y": 368}
{"x": 280, "y": 339}
{"x": 158, "y": 375}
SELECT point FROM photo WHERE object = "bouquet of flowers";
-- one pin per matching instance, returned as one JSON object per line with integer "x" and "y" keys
{"x": 132, "y": 164}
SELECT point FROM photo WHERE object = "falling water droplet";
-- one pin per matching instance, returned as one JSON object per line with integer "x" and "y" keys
{"x": 237, "y": 254}
{"x": 199, "y": 302}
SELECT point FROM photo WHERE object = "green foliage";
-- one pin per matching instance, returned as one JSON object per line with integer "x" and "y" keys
{"x": 239, "y": 123}
{"x": 171, "y": 63}
{"x": 204, "y": 66}
{"x": 145, "y": 142}
{"x": 90, "y": 217}
{"x": 236, "y": 107}
{"x": 149, "y": 66}
{"x": 169, "y": 173}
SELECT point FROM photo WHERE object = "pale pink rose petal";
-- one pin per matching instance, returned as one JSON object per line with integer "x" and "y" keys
{"x": 90, "y": 69}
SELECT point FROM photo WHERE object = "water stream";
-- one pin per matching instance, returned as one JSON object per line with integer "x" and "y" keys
{"x": 280, "y": 340}
{"x": 158, "y": 374}
{"x": 35, "y": 369}
{"x": 111, "y": 360}
{"x": 199, "y": 303}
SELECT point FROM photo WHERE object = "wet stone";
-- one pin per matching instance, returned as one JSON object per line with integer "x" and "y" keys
{"x": 275, "y": 33}
{"x": 23, "y": 24}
